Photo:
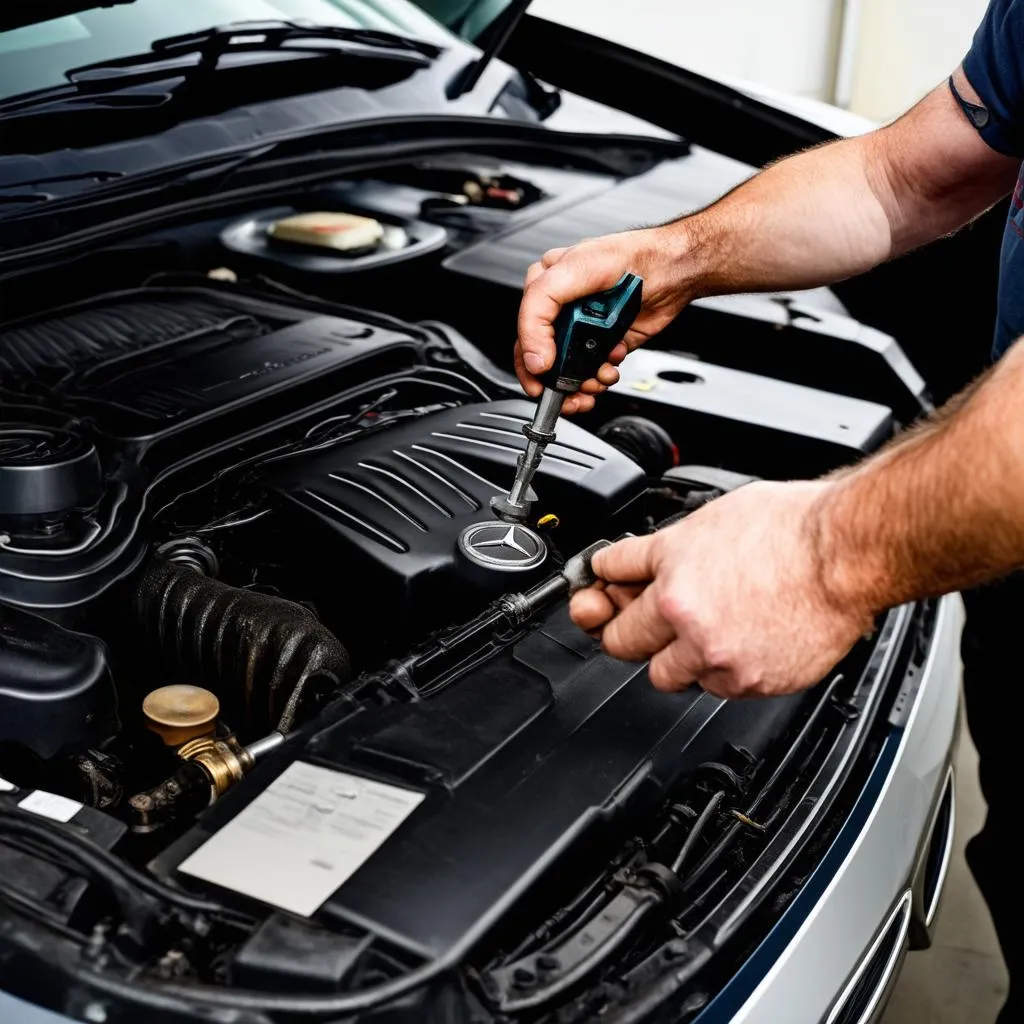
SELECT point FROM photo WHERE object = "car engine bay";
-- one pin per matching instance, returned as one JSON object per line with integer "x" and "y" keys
{"x": 239, "y": 612}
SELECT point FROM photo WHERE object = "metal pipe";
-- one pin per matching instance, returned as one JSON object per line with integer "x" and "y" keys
{"x": 261, "y": 747}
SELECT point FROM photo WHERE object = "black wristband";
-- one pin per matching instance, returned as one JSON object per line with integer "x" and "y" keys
{"x": 976, "y": 114}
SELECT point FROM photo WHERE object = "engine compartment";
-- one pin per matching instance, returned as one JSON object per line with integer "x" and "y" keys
{"x": 238, "y": 606}
{"x": 214, "y": 427}
{"x": 268, "y": 438}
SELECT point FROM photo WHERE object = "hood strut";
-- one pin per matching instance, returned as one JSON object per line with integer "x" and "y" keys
{"x": 500, "y": 30}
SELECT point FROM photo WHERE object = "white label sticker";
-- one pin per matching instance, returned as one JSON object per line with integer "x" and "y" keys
{"x": 6, "y": 787}
{"x": 305, "y": 835}
{"x": 50, "y": 805}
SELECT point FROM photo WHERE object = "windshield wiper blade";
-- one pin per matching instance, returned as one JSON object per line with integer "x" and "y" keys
{"x": 108, "y": 85}
{"x": 211, "y": 44}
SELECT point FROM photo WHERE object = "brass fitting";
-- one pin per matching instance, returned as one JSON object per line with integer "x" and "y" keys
{"x": 225, "y": 761}
{"x": 209, "y": 768}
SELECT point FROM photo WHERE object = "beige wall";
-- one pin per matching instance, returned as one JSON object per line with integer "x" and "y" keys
{"x": 787, "y": 44}
{"x": 901, "y": 48}
{"x": 904, "y": 48}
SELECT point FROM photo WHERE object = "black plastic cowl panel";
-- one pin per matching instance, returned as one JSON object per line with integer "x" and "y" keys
{"x": 541, "y": 756}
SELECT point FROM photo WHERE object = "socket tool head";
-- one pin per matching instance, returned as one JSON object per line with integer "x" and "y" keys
{"x": 512, "y": 512}
{"x": 516, "y": 505}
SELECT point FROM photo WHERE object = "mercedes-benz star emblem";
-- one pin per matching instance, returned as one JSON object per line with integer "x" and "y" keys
{"x": 511, "y": 548}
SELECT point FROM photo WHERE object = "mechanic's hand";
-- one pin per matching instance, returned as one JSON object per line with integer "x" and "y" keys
{"x": 562, "y": 275}
{"x": 737, "y": 596}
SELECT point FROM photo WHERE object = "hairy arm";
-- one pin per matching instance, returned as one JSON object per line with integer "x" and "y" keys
{"x": 843, "y": 208}
{"x": 815, "y": 218}
{"x": 941, "y": 509}
{"x": 764, "y": 590}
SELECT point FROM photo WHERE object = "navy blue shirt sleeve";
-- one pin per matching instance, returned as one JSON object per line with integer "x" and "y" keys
{"x": 995, "y": 67}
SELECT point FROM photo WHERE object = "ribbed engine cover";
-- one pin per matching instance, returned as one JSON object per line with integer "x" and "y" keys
{"x": 387, "y": 511}
{"x": 139, "y": 384}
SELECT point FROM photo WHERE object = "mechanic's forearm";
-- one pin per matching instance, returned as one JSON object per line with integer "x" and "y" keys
{"x": 939, "y": 510}
{"x": 835, "y": 211}
{"x": 809, "y": 220}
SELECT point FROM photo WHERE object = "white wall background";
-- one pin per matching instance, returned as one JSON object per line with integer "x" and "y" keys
{"x": 896, "y": 50}
{"x": 784, "y": 43}
{"x": 905, "y": 48}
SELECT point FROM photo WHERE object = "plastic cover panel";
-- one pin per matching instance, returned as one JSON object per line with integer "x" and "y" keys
{"x": 542, "y": 753}
{"x": 157, "y": 376}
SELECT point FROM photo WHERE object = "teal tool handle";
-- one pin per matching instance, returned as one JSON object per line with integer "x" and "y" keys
{"x": 588, "y": 329}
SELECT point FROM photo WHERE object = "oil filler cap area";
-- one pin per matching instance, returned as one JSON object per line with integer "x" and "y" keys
{"x": 502, "y": 547}
{"x": 45, "y": 471}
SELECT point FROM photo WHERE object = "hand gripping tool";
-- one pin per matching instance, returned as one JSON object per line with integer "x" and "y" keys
{"x": 586, "y": 331}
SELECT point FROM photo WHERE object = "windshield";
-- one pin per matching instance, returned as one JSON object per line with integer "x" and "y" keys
{"x": 466, "y": 17}
{"x": 36, "y": 56}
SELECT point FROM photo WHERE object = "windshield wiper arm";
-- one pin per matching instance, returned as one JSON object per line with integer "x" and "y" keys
{"x": 198, "y": 53}
{"x": 211, "y": 44}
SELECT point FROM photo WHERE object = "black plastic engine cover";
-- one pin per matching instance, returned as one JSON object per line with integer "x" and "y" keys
{"x": 386, "y": 511}
{"x": 139, "y": 385}
{"x": 155, "y": 363}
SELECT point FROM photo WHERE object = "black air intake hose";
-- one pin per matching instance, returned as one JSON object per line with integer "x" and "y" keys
{"x": 643, "y": 441}
{"x": 259, "y": 650}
